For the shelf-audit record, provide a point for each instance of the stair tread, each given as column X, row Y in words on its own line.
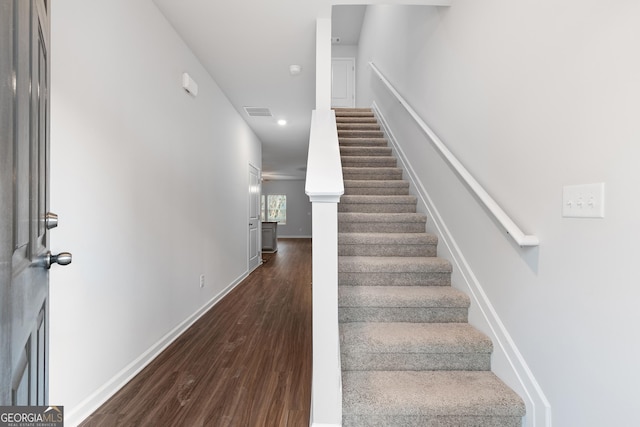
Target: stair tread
column 430, row 393
column 362, row 142
column 387, row 238
column 372, row 264
column 357, row 126
column 373, row 173
column 368, row 161
column 380, row 217
column 400, row 337
column 376, row 183
column 364, row 159
column 355, row 119
column 359, row 198
column 359, row 151
column 355, row 133
column 402, row 296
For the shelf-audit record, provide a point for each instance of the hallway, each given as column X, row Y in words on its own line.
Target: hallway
column 247, row 362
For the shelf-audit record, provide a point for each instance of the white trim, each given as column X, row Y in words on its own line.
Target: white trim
column 324, row 168
column 88, row 406
column 523, row 240
column 259, row 217
column 538, row 407
column 326, row 378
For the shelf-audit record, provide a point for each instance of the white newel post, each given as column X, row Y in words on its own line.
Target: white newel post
column 324, row 186
column 326, row 380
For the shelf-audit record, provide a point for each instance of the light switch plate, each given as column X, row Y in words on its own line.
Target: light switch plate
column 583, row 201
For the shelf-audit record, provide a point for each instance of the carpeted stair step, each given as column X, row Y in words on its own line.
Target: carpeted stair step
column 360, row 134
column 442, row 304
column 362, row 142
column 373, row 187
column 368, row 161
column 358, row 126
column 352, row 222
column 428, row 398
column 387, row 244
column 365, row 151
column 377, row 204
column 382, row 346
column 355, row 119
column 381, row 173
column 353, row 112
column 393, row 271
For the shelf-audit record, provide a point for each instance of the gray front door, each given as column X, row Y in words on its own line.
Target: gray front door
column 24, row 201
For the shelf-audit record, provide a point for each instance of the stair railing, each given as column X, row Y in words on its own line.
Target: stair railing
column 500, row 215
column 324, row 186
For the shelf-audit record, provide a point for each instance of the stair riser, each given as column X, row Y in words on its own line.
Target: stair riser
column 387, row 250
column 365, row 151
column 383, row 187
column 377, row 227
column 368, row 162
column 358, row 126
column 357, row 114
column 372, row 175
column 403, row 314
column 353, row 119
column 376, row 191
column 360, row 134
column 415, row 361
column 362, row 142
column 377, row 207
column 394, row 279
column 361, row 420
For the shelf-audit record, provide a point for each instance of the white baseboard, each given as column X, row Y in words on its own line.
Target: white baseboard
column 538, row 407
column 76, row 415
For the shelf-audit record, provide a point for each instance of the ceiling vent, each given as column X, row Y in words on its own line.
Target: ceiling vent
column 257, row 112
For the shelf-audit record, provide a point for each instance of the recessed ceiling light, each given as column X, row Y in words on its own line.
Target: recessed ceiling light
column 282, row 122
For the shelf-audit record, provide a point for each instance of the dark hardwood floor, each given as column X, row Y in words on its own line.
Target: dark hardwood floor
column 247, row 362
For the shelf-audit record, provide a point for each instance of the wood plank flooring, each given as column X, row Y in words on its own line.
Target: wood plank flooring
column 245, row 363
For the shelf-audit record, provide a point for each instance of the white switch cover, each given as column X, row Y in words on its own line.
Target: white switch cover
column 583, row 201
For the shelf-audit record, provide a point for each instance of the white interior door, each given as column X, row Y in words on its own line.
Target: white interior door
column 254, row 217
column 343, row 82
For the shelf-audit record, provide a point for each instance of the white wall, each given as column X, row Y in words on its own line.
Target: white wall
column 151, row 185
column 531, row 96
column 344, row 51
column 298, row 207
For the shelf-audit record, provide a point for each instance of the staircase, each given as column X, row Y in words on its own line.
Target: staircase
column 409, row 357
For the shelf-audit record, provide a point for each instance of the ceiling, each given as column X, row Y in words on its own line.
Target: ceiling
column 247, row 46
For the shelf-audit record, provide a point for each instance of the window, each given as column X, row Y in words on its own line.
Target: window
column 274, row 208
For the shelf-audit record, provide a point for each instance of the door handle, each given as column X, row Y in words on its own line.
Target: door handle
column 48, row 259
